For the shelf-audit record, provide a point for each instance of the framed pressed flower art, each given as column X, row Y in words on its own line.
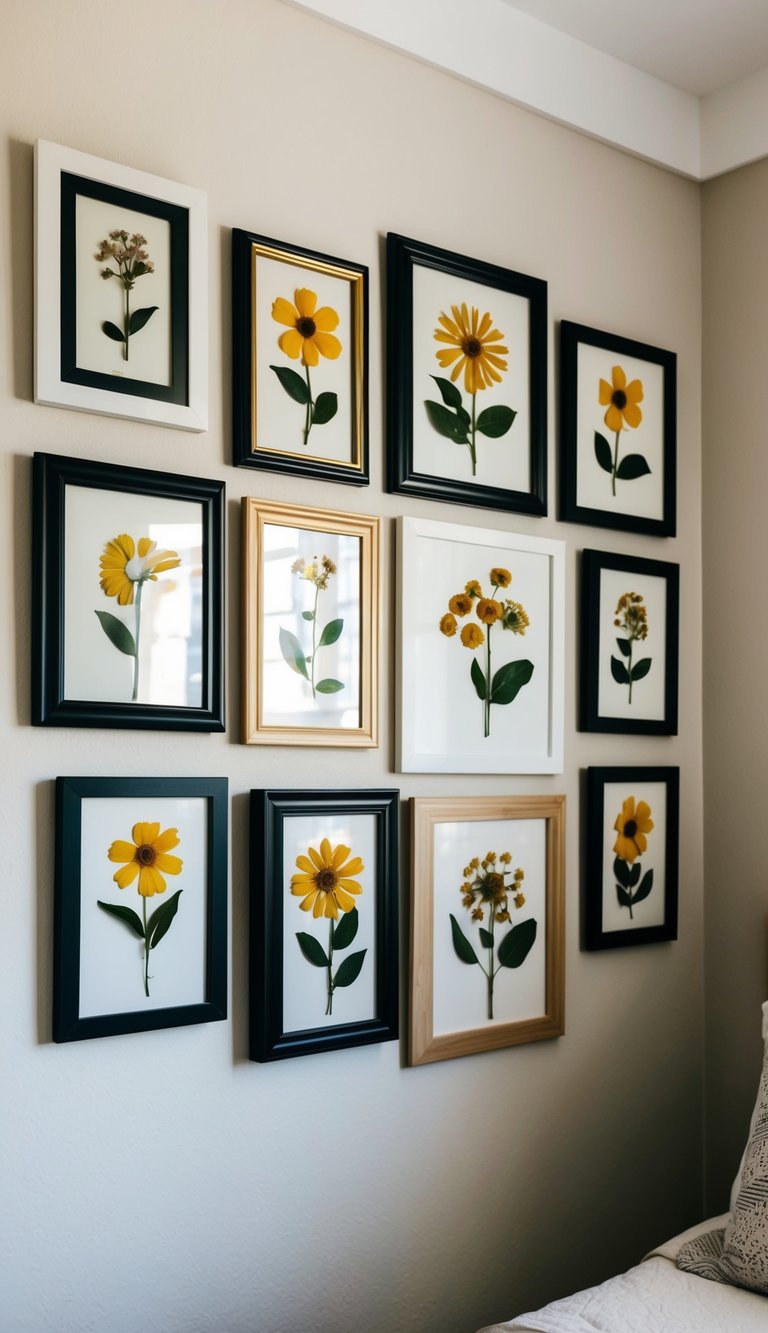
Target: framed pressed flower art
column 487, row 926
column 311, row 588
column 300, row 360
column 128, row 597
column 121, row 291
column 629, row 644
column 630, row 894
column 480, row 650
column 140, row 905
column 467, row 357
column 618, row 432
column 324, row 914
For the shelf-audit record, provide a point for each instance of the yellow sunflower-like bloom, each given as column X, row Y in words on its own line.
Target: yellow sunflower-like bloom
column 622, row 400
column 473, row 345
column 472, row 636
column 515, row 618
column 461, row 604
column 310, row 331
column 500, row 578
column 473, row 588
column 324, row 881
column 123, row 565
column 147, row 856
column 488, row 610
column 632, row 826
column 448, row 625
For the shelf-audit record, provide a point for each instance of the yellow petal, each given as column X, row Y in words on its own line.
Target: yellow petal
column 641, row 841
column 331, row 910
column 340, row 854
column 446, row 355
column 304, row 863
column 143, row 834
column 343, row 899
column 633, row 415
column 353, row 867
column 121, row 851
column 308, row 901
column 326, row 319
column 126, row 875
column 605, row 393
column 351, row 885
column 305, row 302
column 170, row 864
column 634, row 391
column 302, row 884
column 284, row 313
column 619, row 378
column 150, row 881
column 291, row 342
column 326, row 851
column 125, row 542
column 613, row 419
column 145, row 546
column 319, row 903
column 165, row 841
column 309, row 353
column 327, row 344
column 316, row 857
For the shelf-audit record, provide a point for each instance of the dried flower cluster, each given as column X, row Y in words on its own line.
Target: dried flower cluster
column 485, row 885
column 632, row 616
column 132, row 259
column 316, row 571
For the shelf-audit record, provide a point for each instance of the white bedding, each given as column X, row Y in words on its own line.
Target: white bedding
column 654, row 1297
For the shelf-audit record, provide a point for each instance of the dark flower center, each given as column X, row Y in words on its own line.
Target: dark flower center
column 306, row 326
column 619, row 399
column 630, row 828
column 145, row 855
column 472, row 347
column 326, row 879
column 493, row 886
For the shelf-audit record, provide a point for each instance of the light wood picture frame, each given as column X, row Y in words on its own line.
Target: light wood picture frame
column 500, row 912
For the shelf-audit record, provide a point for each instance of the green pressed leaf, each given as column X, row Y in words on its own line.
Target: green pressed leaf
column 331, row 633
column 112, row 331
column 291, row 650
column 603, row 452
column 346, row 930
column 294, row 385
column 625, row 647
column 509, row 680
column 307, row 615
column 141, row 317
column 446, row 423
column 138, row 269
column 646, row 884
column 641, row 668
column 634, row 875
column 517, row 944
column 461, row 944
column 495, row 421
column 350, row 969
column 125, row 914
column 619, row 672
column 450, row 395
column 326, row 407
column 329, row 686
column 117, row 633
column 478, row 679
column 625, row 899
column 312, row 949
column 622, row 872
column 160, row 920
column 486, row 938
column 631, row 467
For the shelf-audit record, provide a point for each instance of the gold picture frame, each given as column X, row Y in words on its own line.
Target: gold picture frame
column 311, row 625
column 522, row 886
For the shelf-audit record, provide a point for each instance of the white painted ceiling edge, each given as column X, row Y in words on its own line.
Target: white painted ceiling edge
column 546, row 71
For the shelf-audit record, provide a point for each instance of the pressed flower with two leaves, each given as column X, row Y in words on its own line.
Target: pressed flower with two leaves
column 326, row 885
column 631, row 616
column 504, row 685
column 125, row 566
column 133, row 262
column 473, row 348
column 147, row 860
column 621, row 401
column 633, row 824
column 491, row 886
column 309, row 335
column 318, row 572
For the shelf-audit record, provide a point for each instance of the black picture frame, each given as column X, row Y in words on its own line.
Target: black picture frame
column 250, row 449
column 70, row 1023
column 52, row 476
column 598, row 627
column 600, row 931
column 403, row 477
column 271, row 811
column 579, row 448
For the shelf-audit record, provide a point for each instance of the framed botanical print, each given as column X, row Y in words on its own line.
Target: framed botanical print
column 618, row 432
column 140, row 905
column 128, row 579
column 324, row 921
column 467, row 368
column 300, row 360
column 629, row 644
column 311, row 588
column 121, row 291
column 487, row 926
column 632, row 830
column 480, row 650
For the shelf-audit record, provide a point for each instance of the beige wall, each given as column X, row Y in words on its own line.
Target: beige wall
column 735, row 648
column 161, row 1181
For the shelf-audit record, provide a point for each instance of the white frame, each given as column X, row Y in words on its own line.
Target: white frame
column 411, row 611
column 51, row 160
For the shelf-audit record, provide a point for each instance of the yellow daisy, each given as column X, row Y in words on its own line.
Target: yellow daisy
column 460, row 604
column 448, row 625
column 632, row 825
column 472, row 636
column 123, row 565
column 621, row 399
column 500, row 577
column 473, row 345
column 310, row 331
column 488, row 610
column 324, row 882
column 146, row 857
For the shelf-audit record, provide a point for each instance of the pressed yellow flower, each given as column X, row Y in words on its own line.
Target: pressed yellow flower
column 473, row 346
column 632, row 616
column 310, row 331
column 622, row 400
column 490, row 856
column 477, row 915
column 506, row 858
column 515, row 618
column 461, row 604
column 448, row 625
column 147, row 856
column 519, row 900
column 325, row 882
column 123, row 566
column 632, row 826
column 500, row 578
column 473, row 588
column 472, row 636
column 488, row 610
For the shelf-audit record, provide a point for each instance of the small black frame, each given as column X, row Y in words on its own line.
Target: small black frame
column 269, row 895
column 403, row 255
column 52, row 475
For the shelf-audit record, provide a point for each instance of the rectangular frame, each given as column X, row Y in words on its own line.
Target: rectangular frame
column 585, row 450
column 274, row 454
column 419, row 697
column 270, row 813
column 68, row 962
column 52, row 476
column 598, row 893
column 427, row 813
column 405, row 474
column 594, row 565
column 257, row 515
column 62, row 176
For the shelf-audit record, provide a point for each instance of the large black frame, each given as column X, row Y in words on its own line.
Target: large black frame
column 403, row 255
column 590, row 718
column 269, row 811
column 52, row 474
column 70, row 794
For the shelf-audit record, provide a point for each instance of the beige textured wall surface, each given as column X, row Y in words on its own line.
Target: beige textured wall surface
column 162, row 1182
column 735, row 648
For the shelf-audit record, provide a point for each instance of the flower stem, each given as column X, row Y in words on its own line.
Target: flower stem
column 314, row 637
column 487, row 700
column 615, row 462
column 329, row 1006
column 308, row 415
column 629, row 670
column 472, row 447
column 135, row 695
column 127, row 324
column 146, row 948
column 491, row 973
